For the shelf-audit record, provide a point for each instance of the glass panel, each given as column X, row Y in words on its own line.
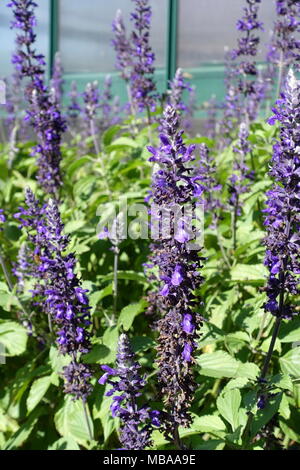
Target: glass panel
column 7, row 43
column 207, row 26
column 86, row 33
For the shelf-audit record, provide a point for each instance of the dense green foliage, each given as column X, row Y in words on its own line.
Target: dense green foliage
column 35, row 414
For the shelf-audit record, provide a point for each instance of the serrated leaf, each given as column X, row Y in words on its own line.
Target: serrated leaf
column 109, row 134
column 77, row 164
column 37, row 390
column 290, row 332
column 218, row 364
column 129, row 313
column 13, row 337
column 263, row 416
column 74, row 226
column 290, row 362
column 100, row 354
column 57, row 360
column 64, row 444
column 122, row 143
column 208, row 423
column 25, row 430
column 228, row 405
column 104, row 414
column 256, row 273
column 248, row 370
column 97, row 296
column 70, row 421
column 283, row 381
column 128, row 275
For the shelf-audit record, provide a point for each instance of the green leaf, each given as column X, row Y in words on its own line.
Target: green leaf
column 96, row 296
column 283, row 381
column 201, row 140
column 77, row 164
column 211, row 444
column 129, row 313
column 228, row 405
column 64, row 444
column 70, row 421
column 262, row 417
column 99, row 354
column 284, row 408
column 37, row 391
column 57, row 360
column 253, row 273
column 84, row 186
column 25, row 430
column 13, row 337
column 220, row 364
column 104, row 414
column 109, row 134
column 208, row 423
column 290, row 362
column 142, row 343
column 128, row 275
column 217, row 364
column 290, row 332
column 122, row 143
column 248, row 370
column 74, row 226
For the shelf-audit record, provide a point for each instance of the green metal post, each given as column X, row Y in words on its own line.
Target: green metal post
column 54, row 31
column 172, row 38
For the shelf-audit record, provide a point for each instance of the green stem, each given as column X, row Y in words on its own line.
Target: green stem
column 177, row 441
column 87, row 420
column 115, row 287
column 226, row 260
column 10, row 284
column 234, row 224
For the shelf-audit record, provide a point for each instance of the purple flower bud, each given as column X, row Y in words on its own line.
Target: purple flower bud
column 187, row 324
column 187, row 352
column 136, row 423
column 177, row 278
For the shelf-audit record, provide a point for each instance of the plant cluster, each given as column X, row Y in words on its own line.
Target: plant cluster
column 177, row 329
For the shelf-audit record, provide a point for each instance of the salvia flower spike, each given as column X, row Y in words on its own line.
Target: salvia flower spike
column 178, row 274
column 282, row 211
column 43, row 112
column 58, row 290
column 126, row 387
column 143, row 88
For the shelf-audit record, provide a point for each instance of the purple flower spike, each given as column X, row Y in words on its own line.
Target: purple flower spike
column 143, row 88
column 244, row 92
column 284, row 48
column 122, row 47
column 57, row 291
column 136, row 423
column 43, row 113
column 174, row 184
column 175, row 97
column 283, row 206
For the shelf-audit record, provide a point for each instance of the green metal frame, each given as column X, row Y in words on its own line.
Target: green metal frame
column 208, row 78
column 171, row 40
column 54, row 32
column 171, row 66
